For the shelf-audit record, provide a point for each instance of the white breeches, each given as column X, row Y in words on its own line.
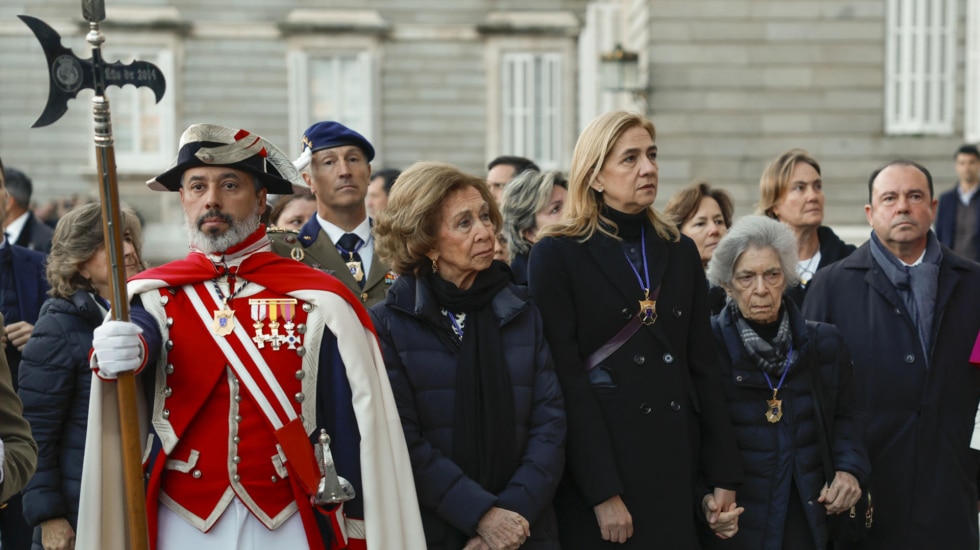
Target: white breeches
column 237, row 529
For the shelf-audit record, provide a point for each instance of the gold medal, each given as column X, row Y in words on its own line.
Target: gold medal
column 774, row 409
column 774, row 413
column 648, row 309
column 355, row 270
column 224, row 321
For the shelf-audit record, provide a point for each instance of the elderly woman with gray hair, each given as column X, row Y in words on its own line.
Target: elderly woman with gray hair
column 788, row 387
column 531, row 201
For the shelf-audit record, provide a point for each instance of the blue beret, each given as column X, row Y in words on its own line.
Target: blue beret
column 329, row 134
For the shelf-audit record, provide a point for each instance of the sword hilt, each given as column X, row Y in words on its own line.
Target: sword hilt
column 333, row 489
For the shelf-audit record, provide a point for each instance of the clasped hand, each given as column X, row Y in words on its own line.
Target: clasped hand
column 500, row 529
column 721, row 512
column 842, row 493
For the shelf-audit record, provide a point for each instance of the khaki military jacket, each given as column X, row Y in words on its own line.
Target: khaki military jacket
column 312, row 246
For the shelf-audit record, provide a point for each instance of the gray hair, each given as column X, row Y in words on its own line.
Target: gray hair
column 754, row 232
column 524, row 196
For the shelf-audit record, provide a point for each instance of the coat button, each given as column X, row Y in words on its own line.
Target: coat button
column 275, row 479
column 626, row 313
column 639, row 359
column 299, row 397
column 170, row 322
column 738, row 378
column 668, row 358
column 898, row 311
column 166, row 414
column 238, row 418
column 236, row 440
column 236, row 459
column 236, row 478
column 677, row 312
column 300, row 350
column 169, row 345
column 675, row 406
column 196, row 474
column 307, row 307
column 300, row 375
column 169, row 369
column 168, row 391
column 646, row 409
column 910, row 358
column 164, row 299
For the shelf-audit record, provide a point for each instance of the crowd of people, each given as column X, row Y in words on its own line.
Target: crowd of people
column 521, row 359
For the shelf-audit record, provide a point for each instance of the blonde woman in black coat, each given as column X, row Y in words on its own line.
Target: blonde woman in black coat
column 648, row 422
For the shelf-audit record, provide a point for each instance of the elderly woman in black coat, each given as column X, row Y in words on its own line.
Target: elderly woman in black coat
column 647, row 416
column 54, row 372
column 468, row 363
column 770, row 360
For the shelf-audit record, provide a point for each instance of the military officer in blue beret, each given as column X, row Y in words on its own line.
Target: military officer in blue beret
column 336, row 164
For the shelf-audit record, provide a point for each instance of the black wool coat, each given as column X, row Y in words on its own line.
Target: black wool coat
column 918, row 414
column 832, row 249
column 651, row 416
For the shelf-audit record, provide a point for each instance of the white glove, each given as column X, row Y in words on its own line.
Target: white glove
column 117, row 347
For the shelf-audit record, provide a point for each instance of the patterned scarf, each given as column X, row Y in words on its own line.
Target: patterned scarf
column 770, row 357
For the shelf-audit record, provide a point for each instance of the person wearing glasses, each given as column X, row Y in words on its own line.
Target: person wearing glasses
column 770, row 357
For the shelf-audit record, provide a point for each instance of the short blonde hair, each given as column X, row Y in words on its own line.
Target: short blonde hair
column 776, row 177
column 409, row 227
column 582, row 216
column 77, row 237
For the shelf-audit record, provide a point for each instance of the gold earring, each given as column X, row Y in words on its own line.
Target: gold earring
column 435, row 266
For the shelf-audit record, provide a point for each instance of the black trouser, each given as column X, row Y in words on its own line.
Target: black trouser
column 15, row 534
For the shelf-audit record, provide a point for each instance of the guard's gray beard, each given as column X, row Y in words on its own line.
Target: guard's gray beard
column 238, row 231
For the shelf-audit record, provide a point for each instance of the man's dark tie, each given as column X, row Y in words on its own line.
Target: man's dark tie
column 349, row 244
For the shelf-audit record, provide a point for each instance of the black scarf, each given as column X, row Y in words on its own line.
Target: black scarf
column 484, row 444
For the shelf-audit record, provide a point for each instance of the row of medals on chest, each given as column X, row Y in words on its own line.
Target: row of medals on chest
column 269, row 315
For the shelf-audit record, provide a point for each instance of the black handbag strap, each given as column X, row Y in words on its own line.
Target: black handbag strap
column 816, row 388
column 614, row 343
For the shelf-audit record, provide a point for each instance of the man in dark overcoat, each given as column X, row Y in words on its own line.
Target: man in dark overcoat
column 907, row 308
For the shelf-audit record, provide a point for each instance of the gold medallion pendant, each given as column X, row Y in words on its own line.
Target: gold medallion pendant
column 224, row 322
column 774, row 410
column 355, row 270
column 648, row 309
